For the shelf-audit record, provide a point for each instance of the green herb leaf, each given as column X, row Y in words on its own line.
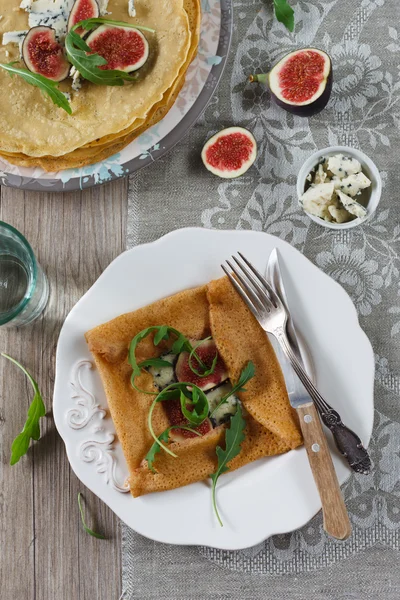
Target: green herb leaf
column 158, row 363
column 284, row 13
column 206, row 371
column 163, row 437
column 173, row 391
column 47, row 86
column 247, row 374
column 234, row 436
column 198, row 402
column 31, row 428
column 93, row 22
column 85, row 527
column 162, row 332
column 88, row 64
column 155, row 449
column 180, row 344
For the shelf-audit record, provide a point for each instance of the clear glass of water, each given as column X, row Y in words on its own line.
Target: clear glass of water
column 24, row 289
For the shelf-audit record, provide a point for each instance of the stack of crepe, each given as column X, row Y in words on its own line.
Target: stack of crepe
column 214, row 309
column 35, row 132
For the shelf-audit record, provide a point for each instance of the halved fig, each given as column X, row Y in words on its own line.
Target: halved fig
column 301, row 82
column 43, row 54
column 124, row 48
column 206, row 352
column 230, row 152
column 81, row 10
column 175, row 417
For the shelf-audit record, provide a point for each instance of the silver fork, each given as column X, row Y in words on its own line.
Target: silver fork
column 269, row 311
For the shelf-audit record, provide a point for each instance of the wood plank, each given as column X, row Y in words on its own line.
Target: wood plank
column 75, row 236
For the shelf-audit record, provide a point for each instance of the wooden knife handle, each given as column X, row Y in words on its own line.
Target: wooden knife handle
column 336, row 518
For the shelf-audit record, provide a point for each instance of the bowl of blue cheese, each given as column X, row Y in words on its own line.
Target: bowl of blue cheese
column 339, row 187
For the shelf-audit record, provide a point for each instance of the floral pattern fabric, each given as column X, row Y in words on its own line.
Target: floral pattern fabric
column 363, row 39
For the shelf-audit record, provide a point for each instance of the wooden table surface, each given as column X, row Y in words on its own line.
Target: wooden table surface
column 44, row 552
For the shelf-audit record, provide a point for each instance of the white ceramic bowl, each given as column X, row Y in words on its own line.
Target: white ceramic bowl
column 368, row 167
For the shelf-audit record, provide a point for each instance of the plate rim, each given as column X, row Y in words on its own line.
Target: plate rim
column 199, row 230
column 174, row 137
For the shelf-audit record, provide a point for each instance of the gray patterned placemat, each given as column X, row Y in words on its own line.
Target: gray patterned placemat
column 363, row 39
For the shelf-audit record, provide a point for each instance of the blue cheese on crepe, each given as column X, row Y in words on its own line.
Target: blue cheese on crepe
column 131, row 8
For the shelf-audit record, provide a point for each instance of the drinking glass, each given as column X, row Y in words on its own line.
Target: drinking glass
column 24, row 289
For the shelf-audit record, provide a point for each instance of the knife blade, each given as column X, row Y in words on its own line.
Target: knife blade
column 347, row 442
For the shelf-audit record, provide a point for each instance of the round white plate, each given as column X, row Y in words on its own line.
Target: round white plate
column 272, row 495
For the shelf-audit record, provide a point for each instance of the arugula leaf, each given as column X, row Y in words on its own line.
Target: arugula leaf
column 247, row 374
column 94, row 21
column 158, row 363
column 162, row 333
column 85, row 527
column 199, row 404
column 31, row 428
column 164, row 436
column 207, row 371
column 88, row 64
column 197, row 397
column 47, row 86
column 284, row 13
column 234, row 436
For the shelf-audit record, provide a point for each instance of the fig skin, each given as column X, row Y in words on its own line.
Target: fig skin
column 93, row 13
column 105, row 31
column 176, row 417
column 301, row 110
column 243, row 164
column 41, row 31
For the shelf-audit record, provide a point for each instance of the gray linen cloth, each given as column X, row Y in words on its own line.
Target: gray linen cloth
column 363, row 39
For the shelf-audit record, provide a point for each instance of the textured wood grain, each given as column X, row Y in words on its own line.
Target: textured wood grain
column 336, row 519
column 45, row 554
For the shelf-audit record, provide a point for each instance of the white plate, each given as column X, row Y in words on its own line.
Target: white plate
column 272, row 495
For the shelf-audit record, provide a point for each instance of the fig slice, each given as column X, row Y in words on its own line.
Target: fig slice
column 230, row 152
column 43, row 54
column 175, row 417
column 81, row 10
column 301, row 82
column 206, row 352
column 124, row 48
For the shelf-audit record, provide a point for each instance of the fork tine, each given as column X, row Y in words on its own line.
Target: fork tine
column 273, row 296
column 241, row 292
column 261, row 292
column 247, row 288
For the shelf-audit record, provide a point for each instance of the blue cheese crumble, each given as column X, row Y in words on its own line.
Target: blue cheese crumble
column 333, row 185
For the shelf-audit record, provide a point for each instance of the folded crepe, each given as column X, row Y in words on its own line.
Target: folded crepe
column 214, row 309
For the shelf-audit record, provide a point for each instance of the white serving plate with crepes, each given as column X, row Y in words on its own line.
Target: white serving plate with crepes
column 201, row 82
column 269, row 496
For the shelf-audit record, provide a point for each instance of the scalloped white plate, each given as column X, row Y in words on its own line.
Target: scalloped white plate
column 272, row 495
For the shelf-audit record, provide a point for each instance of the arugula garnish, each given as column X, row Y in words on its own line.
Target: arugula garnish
column 198, row 403
column 197, row 400
column 284, row 13
column 85, row 527
column 47, row 86
column 163, row 437
column 88, row 62
column 234, row 436
column 180, row 344
column 247, row 374
column 31, row 428
column 206, row 371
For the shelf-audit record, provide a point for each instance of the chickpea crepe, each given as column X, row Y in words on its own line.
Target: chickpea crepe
column 211, row 310
column 105, row 119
